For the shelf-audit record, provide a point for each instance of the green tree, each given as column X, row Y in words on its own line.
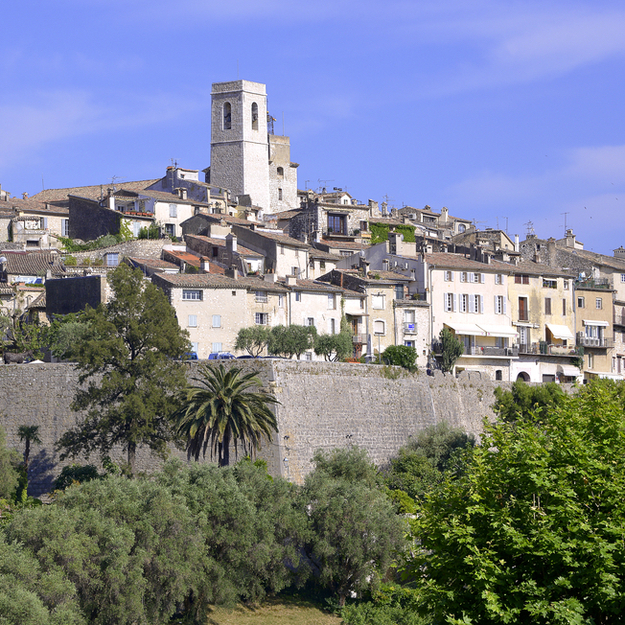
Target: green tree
column 130, row 364
column 401, row 356
column 223, row 409
column 66, row 333
column 250, row 524
column 334, row 347
column 354, row 529
column 535, row 530
column 291, row 341
column 253, row 340
column 434, row 454
column 30, row 596
column 523, row 401
column 130, row 547
column 451, row 349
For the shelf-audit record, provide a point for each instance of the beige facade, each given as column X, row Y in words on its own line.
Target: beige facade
column 594, row 328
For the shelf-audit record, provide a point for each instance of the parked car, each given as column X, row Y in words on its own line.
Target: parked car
column 190, row 356
column 220, row 356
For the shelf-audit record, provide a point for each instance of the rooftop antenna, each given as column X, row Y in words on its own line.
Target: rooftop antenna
column 565, row 214
column 323, row 183
column 114, row 180
column 530, row 229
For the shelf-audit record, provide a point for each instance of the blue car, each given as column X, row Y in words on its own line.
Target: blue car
column 220, row 356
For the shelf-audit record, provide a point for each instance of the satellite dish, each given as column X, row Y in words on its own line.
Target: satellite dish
column 3, row 259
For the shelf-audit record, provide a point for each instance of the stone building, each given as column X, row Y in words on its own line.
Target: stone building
column 246, row 156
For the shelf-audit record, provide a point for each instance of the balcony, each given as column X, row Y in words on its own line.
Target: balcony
column 486, row 351
column 410, row 328
column 545, row 349
column 359, row 339
column 593, row 341
column 261, row 299
column 593, row 283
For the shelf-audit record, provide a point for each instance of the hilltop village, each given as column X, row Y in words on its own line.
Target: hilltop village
column 239, row 244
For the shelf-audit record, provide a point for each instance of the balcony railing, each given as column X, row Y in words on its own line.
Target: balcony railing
column 593, row 283
column 359, row 339
column 261, row 299
column 593, row 341
column 486, row 350
column 546, row 349
column 410, row 328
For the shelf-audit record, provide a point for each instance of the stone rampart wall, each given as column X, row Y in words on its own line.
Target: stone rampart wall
column 322, row 405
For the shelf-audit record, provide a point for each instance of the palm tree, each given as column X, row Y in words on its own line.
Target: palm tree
column 223, row 409
column 30, row 434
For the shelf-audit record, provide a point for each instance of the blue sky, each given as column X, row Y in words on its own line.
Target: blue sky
column 505, row 113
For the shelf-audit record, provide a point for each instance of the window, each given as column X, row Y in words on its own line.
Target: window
column 192, row 321
column 281, row 249
column 112, row 259
column 580, row 302
column 498, row 278
column 261, row 296
column 294, row 271
column 332, row 326
column 623, row 277
column 377, row 301
column 331, row 302
column 215, row 251
column 461, row 227
column 463, row 276
column 280, row 301
column 399, row 291
column 322, row 264
column 217, row 347
column 65, row 227
column 310, row 321
column 477, row 277
column 599, row 303
column 464, row 303
column 547, row 305
column 280, row 172
column 195, row 294
column 216, row 321
column 254, row 116
column 450, row 302
column 227, row 116
column 409, row 316
column 449, row 276
column 173, row 211
column 337, row 224
column 410, row 344
column 261, row 319
column 298, row 296
column 550, row 284
column 279, row 193
column 564, row 307
column 378, row 326
column 566, row 285
column 521, row 279
column 500, row 305
column 195, row 347
column 498, row 374
column 523, row 309
column 591, row 360
column 476, row 303
column 170, row 229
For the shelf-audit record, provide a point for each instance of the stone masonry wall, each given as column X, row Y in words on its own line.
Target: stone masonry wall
column 322, row 405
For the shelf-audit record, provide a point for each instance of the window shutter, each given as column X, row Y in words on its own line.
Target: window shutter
column 496, row 304
column 503, row 297
column 454, row 303
column 482, row 278
column 481, row 300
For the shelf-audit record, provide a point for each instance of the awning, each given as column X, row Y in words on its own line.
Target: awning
column 569, row 371
column 594, row 322
column 470, row 329
column 503, row 331
column 560, row 332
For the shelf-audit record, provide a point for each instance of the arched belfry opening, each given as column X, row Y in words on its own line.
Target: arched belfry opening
column 254, row 116
column 227, row 116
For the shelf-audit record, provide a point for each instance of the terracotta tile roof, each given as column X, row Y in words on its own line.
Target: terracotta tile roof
column 187, row 257
column 529, row 267
column 601, row 259
column 289, row 214
column 346, row 245
column 313, row 285
column 282, row 238
column 164, row 196
column 459, row 261
column 216, row 281
column 33, row 263
column 31, row 205
column 321, row 255
column 157, row 263
column 377, row 277
column 92, row 192
column 241, row 249
column 40, row 302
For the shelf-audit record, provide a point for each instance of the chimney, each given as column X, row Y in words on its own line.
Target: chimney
column 291, row 281
column 25, row 195
column 385, row 264
column 551, row 252
column 270, row 277
column 204, row 264
column 570, row 238
column 232, row 272
column 444, row 214
column 516, row 242
column 373, row 208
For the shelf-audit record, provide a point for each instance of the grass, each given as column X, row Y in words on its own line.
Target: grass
column 278, row 611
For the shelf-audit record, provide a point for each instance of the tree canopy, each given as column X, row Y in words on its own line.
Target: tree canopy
column 400, row 356
column 130, row 363
column 523, row 401
column 451, row 349
column 253, row 340
column 534, row 532
column 223, row 409
column 291, row 341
